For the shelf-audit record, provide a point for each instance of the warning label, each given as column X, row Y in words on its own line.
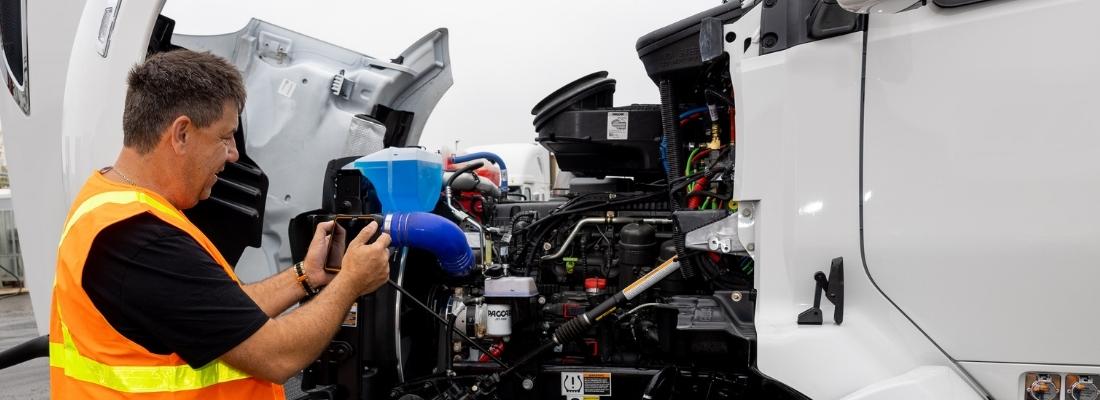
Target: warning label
column 286, row 88
column 352, row 319
column 585, row 385
column 618, row 125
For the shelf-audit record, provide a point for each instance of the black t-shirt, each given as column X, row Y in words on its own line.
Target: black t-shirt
column 157, row 287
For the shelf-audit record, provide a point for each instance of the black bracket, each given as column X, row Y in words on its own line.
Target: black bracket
column 833, row 286
column 321, row 393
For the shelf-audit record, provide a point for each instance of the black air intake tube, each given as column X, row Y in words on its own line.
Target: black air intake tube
column 29, row 350
column 675, row 170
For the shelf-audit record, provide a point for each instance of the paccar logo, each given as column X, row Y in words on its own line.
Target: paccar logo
column 619, row 123
column 500, row 313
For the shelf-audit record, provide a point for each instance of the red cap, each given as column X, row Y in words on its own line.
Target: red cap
column 595, row 284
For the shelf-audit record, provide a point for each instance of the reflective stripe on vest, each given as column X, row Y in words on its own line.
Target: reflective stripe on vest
column 137, row 379
column 118, row 197
column 131, row 379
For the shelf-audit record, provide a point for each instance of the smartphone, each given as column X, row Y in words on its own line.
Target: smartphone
column 346, row 227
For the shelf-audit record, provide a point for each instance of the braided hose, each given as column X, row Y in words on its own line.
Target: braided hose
column 675, row 170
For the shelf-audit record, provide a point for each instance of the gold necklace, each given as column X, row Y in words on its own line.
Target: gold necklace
column 130, row 182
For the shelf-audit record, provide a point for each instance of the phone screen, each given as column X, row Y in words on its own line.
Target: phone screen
column 345, row 228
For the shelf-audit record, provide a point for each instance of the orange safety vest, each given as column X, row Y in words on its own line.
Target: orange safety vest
column 89, row 359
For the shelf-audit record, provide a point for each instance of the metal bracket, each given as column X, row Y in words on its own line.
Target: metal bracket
column 833, row 286
column 341, row 86
column 726, row 311
column 720, row 237
column 275, row 47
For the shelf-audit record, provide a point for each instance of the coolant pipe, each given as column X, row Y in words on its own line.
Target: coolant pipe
column 495, row 159
column 596, row 220
column 435, row 234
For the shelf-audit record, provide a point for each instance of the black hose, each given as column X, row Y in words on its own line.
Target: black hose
column 29, row 350
column 463, row 170
column 718, row 95
column 709, row 194
column 660, row 386
column 672, row 141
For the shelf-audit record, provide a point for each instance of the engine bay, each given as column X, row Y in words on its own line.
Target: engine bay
column 623, row 285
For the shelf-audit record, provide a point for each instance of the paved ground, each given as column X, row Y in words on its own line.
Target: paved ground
column 29, row 380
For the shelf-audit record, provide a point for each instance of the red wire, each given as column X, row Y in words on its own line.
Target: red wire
column 690, row 118
column 699, row 155
column 733, row 126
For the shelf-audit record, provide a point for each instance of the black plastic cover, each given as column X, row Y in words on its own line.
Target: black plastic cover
column 233, row 216
column 589, row 92
column 788, row 23
column 618, row 141
column 675, row 48
column 161, row 39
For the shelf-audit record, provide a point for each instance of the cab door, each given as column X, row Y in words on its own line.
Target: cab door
column 980, row 175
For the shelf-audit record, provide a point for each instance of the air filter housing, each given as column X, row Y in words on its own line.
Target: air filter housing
column 591, row 138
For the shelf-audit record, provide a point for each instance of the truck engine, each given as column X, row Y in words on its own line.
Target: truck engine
column 571, row 297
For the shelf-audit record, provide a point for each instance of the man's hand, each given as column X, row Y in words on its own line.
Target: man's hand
column 317, row 255
column 367, row 265
column 289, row 342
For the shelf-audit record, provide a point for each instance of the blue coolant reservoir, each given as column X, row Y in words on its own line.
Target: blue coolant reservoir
column 406, row 179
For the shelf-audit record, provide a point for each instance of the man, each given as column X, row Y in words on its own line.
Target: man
column 144, row 306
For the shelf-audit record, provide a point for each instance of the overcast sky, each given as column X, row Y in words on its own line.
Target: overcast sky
column 506, row 55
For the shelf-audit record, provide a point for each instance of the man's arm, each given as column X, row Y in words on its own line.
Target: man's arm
column 286, row 344
column 278, row 292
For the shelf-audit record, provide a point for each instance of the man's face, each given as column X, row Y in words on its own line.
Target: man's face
column 214, row 147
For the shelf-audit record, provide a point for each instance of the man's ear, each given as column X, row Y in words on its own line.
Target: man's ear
column 180, row 132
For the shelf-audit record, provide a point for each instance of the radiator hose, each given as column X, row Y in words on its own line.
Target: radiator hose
column 495, row 159
column 435, row 234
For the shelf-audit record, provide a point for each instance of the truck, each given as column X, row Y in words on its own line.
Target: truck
column 828, row 202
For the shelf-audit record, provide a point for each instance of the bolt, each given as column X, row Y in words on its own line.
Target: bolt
column 730, row 37
column 746, row 212
column 473, row 388
column 750, row 247
column 735, row 296
column 770, row 40
column 547, row 246
column 528, row 384
column 542, row 300
column 457, row 347
column 713, row 244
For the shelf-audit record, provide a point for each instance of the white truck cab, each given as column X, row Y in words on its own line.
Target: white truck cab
column 944, row 151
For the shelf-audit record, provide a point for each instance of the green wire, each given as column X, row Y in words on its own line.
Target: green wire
column 687, row 168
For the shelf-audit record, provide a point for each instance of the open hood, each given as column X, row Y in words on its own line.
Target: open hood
column 309, row 102
column 292, row 125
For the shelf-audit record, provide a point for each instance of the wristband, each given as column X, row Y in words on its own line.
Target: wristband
column 304, row 280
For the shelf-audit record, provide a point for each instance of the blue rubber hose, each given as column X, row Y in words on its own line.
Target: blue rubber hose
column 495, row 159
column 434, row 234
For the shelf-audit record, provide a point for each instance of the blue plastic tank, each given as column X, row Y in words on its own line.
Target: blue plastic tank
column 406, row 179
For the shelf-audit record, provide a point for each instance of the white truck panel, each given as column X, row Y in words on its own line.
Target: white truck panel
column 981, row 174
column 798, row 156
